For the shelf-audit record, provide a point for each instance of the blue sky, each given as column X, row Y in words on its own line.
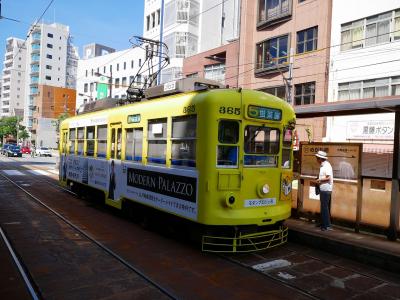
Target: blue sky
column 110, row 23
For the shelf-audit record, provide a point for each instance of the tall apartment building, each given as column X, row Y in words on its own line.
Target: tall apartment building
column 13, row 83
column 51, row 63
column 364, row 64
column 114, row 72
column 189, row 27
column 287, row 35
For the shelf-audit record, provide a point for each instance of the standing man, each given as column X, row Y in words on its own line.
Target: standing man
column 325, row 182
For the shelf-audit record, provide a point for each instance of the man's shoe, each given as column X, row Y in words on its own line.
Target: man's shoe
column 329, row 228
column 323, row 229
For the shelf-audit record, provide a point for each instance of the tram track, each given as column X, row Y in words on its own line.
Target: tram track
column 41, row 179
column 120, row 259
column 303, row 291
column 29, row 283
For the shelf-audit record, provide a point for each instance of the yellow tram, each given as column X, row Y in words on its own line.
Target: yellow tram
column 220, row 158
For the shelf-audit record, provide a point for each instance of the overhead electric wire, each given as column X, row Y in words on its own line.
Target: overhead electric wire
column 31, row 30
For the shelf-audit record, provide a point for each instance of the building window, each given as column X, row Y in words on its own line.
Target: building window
column 110, row 68
column 272, row 52
column 270, row 11
column 140, row 62
column 153, row 20
column 181, row 44
column 50, row 35
column 50, row 46
column 49, row 56
column 117, row 67
column 371, row 88
column 91, row 87
column 215, row 72
column 85, row 88
column 304, row 93
column 116, row 83
column 132, row 64
column 123, row 83
column 396, row 31
column 124, row 65
column 86, row 73
column 307, row 40
column 278, row 91
column 158, row 17
column 148, row 23
column 371, row 31
column 48, row 67
column 48, row 77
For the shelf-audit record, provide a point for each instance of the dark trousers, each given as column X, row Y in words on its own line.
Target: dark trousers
column 325, row 199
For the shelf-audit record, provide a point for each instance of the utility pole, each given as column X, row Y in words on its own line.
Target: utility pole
column 289, row 95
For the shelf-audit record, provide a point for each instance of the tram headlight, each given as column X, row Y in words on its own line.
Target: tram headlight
column 265, row 189
column 230, row 200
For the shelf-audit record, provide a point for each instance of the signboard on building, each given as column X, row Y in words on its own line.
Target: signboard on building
column 102, row 88
column 370, row 130
column 345, row 159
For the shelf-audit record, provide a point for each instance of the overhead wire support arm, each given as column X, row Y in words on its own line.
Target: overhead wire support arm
column 153, row 50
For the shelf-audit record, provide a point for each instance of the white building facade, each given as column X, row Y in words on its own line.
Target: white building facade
column 51, row 60
column 188, row 27
column 13, row 83
column 116, row 69
column 364, row 64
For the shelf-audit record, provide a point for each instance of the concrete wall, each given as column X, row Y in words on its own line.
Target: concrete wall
column 196, row 63
column 371, row 62
column 308, row 67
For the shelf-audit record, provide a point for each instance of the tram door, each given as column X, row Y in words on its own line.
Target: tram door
column 63, row 156
column 116, row 141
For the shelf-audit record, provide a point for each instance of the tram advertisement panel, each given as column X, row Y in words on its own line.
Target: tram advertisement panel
column 344, row 158
column 99, row 173
column 77, row 168
column 173, row 190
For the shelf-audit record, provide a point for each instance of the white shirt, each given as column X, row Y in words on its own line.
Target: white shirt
column 324, row 171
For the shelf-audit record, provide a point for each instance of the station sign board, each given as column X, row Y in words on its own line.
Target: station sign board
column 345, row 159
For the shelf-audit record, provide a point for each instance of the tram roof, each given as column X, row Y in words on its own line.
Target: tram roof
column 348, row 108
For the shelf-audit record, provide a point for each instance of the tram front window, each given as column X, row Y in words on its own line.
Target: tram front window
column 261, row 146
column 228, row 137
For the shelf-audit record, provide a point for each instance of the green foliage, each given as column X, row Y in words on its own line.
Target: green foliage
column 60, row 118
column 8, row 127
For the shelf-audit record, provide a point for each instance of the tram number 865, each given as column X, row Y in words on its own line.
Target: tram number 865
column 229, row 110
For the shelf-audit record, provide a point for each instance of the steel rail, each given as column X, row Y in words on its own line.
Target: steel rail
column 281, row 281
column 21, row 269
column 100, row 245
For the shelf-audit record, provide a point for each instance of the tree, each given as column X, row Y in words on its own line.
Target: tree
column 8, row 126
column 60, row 118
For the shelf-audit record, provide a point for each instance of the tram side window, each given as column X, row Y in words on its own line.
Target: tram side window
column 81, row 140
column 134, row 144
column 184, row 141
column 287, row 148
column 157, row 141
column 261, row 146
column 227, row 150
column 101, row 141
column 72, row 133
column 90, row 141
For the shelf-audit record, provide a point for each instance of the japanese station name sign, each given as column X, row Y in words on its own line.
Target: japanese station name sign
column 370, row 130
column 344, row 158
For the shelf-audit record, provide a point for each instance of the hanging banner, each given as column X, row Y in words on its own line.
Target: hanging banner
column 102, row 88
